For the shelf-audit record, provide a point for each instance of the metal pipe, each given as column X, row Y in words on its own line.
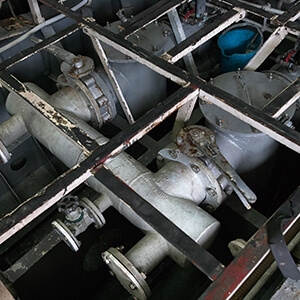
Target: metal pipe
column 45, row 132
column 148, row 252
column 68, row 99
column 267, row 7
column 194, row 221
column 12, row 129
column 103, row 202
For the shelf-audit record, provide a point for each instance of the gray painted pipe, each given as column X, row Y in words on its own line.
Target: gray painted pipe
column 194, row 221
column 12, row 129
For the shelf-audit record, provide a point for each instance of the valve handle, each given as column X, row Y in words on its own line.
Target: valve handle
column 202, row 140
column 68, row 203
column 57, row 51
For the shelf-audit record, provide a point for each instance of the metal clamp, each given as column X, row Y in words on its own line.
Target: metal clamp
column 199, row 141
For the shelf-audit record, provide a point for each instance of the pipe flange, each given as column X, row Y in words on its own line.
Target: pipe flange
column 79, row 86
column 102, row 107
column 105, row 99
column 214, row 194
column 96, row 213
column 131, row 279
column 66, row 234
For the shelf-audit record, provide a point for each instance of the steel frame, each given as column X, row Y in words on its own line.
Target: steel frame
column 242, row 273
column 191, row 87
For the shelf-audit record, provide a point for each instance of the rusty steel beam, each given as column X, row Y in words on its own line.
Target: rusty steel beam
column 53, row 115
column 64, row 184
column 112, row 78
column 5, row 293
column 148, row 16
column 246, row 269
column 208, row 92
column 201, row 258
column 229, row 4
column 203, row 35
column 291, row 27
column 35, row 11
column 66, row 126
column 24, row 54
column 275, row 38
column 284, row 100
column 291, row 15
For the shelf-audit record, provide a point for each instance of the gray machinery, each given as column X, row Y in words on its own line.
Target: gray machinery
column 196, row 191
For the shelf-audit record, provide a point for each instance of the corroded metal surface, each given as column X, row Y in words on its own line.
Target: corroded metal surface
column 228, row 284
column 202, row 259
column 253, row 260
column 53, row 115
column 68, row 181
column 208, row 93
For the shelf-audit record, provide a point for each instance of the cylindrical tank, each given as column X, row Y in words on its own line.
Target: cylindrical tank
column 243, row 146
column 142, row 87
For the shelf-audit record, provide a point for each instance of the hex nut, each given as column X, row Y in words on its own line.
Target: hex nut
column 195, row 168
column 132, row 286
column 174, row 154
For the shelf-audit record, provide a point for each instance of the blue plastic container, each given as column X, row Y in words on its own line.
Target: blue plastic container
column 238, row 45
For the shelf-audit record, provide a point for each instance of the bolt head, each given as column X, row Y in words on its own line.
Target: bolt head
column 105, row 259
column 195, row 168
column 120, row 248
column 78, row 62
column 228, row 190
column 211, row 192
column 159, row 157
column 174, row 154
column 166, row 33
column 220, row 122
column 179, row 140
column 132, row 286
column 209, row 208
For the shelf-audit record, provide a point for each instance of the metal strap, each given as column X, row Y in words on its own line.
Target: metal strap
column 276, row 240
column 202, row 259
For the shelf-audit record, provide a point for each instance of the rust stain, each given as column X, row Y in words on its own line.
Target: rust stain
column 59, row 119
column 239, row 268
column 41, row 105
column 11, row 24
column 234, row 275
column 267, row 96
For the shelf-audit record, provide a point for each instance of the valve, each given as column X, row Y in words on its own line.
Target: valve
column 79, row 215
column 199, row 141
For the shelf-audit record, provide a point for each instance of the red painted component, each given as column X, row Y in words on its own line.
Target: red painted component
column 289, row 56
column 240, row 268
column 188, row 14
column 251, row 257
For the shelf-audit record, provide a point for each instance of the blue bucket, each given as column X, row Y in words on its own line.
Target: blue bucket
column 238, row 44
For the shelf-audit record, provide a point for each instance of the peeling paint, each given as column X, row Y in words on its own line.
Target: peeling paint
column 18, row 266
